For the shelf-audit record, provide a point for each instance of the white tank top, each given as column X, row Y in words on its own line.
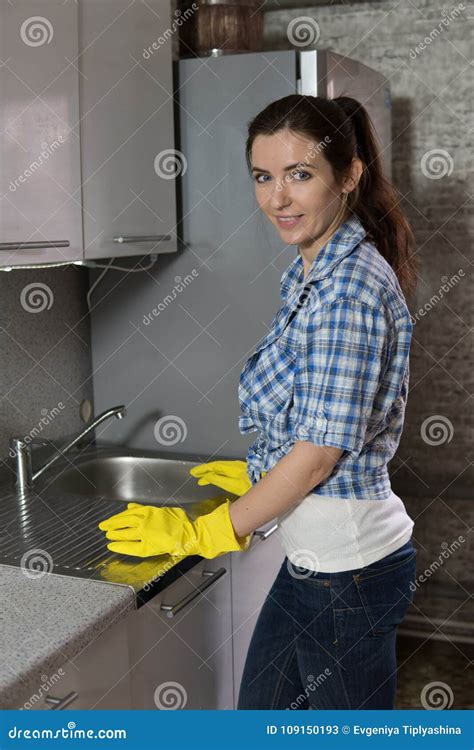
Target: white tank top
column 331, row 534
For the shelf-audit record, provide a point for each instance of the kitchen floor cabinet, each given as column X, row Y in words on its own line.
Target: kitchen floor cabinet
column 253, row 573
column 97, row 678
column 184, row 649
column 185, row 661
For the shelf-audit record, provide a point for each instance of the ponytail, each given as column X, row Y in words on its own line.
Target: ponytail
column 375, row 200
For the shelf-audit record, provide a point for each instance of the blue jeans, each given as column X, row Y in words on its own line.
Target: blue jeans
column 327, row 640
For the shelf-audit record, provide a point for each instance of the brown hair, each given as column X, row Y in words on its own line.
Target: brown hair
column 345, row 127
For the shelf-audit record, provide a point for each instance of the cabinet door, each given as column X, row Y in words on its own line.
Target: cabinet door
column 253, row 573
column 40, row 201
column 185, row 661
column 126, row 128
column 97, row 678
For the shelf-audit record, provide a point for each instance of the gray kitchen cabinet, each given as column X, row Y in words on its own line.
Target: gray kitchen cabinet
column 97, row 678
column 253, row 573
column 185, row 661
column 40, row 201
column 86, row 131
column 127, row 136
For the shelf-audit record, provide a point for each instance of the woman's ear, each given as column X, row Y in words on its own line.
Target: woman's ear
column 355, row 172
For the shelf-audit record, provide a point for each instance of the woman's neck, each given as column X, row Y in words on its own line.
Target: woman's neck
column 308, row 254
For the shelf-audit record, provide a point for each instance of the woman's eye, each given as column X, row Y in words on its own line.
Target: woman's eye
column 256, row 177
column 303, row 173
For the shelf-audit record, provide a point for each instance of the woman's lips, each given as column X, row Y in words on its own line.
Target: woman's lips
column 288, row 223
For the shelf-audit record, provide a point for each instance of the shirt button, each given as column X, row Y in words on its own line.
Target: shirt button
column 319, row 422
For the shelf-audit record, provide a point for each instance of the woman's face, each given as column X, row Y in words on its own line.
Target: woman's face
column 293, row 179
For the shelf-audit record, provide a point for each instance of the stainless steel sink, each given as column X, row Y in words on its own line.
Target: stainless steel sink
column 128, row 478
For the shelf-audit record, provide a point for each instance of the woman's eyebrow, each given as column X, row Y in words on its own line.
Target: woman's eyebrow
column 299, row 164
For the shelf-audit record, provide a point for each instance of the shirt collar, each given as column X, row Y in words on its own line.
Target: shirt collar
column 342, row 243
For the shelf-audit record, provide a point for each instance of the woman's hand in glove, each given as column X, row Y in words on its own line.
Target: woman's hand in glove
column 231, row 476
column 145, row 530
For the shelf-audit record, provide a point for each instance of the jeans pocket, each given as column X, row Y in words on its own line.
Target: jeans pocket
column 387, row 594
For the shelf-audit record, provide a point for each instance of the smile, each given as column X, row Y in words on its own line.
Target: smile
column 289, row 221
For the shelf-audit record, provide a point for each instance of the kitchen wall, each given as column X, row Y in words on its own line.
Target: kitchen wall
column 45, row 367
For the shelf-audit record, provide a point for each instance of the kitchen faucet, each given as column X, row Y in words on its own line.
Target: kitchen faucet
column 22, row 449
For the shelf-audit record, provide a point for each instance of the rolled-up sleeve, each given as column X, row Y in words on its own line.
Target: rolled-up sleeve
column 339, row 371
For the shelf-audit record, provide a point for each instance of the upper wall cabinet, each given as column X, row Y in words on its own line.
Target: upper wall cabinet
column 40, row 188
column 86, row 130
column 127, row 137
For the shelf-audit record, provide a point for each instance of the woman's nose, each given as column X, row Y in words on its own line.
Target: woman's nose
column 280, row 197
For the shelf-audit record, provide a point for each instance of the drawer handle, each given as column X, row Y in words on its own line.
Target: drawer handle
column 61, row 703
column 171, row 609
column 33, row 245
column 265, row 534
column 144, row 238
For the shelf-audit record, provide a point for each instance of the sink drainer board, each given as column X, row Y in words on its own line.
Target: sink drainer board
column 59, row 535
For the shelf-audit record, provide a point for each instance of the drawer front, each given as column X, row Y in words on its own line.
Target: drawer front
column 181, row 645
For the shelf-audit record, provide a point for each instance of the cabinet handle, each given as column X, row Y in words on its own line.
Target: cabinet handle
column 172, row 609
column 265, row 534
column 33, row 245
column 144, row 238
column 60, row 703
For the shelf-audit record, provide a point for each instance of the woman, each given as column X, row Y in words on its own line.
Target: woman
column 326, row 389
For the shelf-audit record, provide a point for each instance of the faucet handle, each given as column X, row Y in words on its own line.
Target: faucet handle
column 41, row 441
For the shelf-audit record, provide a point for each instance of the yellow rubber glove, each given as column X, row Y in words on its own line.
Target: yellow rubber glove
column 145, row 530
column 231, row 476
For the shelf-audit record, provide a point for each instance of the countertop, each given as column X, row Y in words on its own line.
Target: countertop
column 47, row 620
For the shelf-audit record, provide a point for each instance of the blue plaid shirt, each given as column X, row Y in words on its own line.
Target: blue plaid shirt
column 334, row 368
